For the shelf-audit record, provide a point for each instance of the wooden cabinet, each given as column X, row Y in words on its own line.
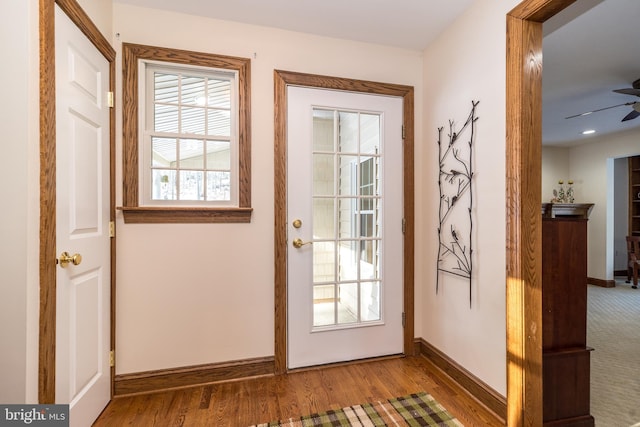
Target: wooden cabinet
column 634, row 196
column 565, row 355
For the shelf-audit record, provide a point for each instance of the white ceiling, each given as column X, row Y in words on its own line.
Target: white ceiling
column 410, row 24
column 590, row 48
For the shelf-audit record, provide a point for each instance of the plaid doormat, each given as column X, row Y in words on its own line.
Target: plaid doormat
column 414, row 410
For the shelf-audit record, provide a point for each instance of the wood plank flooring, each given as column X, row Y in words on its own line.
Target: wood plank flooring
column 257, row 400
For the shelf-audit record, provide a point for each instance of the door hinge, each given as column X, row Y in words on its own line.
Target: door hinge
column 110, row 99
column 403, row 133
column 404, row 225
column 112, row 229
column 404, row 320
column 112, row 358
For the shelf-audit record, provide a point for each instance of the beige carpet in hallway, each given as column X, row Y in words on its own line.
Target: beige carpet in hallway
column 613, row 330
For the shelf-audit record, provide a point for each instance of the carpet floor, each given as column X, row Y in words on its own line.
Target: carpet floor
column 414, row 410
column 613, row 330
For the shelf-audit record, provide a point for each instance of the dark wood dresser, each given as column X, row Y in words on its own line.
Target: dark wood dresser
column 565, row 355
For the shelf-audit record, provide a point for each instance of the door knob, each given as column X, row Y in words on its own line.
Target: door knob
column 65, row 259
column 298, row 243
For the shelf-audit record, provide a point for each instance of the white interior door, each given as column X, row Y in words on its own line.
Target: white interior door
column 345, row 243
column 82, row 203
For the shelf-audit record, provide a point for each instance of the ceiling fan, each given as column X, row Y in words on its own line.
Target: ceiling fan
column 635, row 105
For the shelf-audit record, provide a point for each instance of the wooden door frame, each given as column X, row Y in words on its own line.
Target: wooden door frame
column 48, row 255
column 523, row 198
column 282, row 79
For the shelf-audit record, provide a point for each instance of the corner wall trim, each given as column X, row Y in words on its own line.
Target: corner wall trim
column 167, row 379
column 601, row 282
column 474, row 386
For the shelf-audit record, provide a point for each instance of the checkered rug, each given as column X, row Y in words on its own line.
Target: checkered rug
column 414, row 410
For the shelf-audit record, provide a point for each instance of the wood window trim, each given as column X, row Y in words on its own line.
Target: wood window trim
column 156, row 214
column 131, row 209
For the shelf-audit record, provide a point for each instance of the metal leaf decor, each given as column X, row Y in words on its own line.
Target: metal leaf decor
column 456, row 200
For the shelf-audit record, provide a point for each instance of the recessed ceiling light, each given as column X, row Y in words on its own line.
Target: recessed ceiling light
column 588, row 131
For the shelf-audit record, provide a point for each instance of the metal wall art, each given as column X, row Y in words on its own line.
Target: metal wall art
column 456, row 200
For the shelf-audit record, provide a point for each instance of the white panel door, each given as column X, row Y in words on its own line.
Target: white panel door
column 345, row 243
column 82, row 202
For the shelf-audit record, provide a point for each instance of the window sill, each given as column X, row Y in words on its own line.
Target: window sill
column 175, row 215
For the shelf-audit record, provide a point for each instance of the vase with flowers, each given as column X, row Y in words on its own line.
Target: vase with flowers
column 562, row 194
column 569, row 193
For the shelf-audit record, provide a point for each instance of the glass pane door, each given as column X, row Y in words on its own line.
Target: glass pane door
column 344, row 215
column 346, row 206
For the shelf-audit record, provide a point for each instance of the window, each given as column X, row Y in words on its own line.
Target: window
column 347, row 204
column 368, row 191
column 189, row 140
column 186, row 136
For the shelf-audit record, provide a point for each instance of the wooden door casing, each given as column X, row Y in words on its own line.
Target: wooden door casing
column 47, row 266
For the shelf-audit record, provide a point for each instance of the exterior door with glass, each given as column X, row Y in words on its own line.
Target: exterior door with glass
column 345, row 242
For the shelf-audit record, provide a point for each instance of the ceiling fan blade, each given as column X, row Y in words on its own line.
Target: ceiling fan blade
column 632, row 115
column 599, row 109
column 629, row 91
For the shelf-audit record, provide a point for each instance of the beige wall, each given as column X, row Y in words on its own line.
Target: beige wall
column 169, row 318
column 183, row 299
column 591, row 166
column 592, row 184
column 15, row 33
column 193, row 294
column 555, row 167
column 100, row 12
column 467, row 63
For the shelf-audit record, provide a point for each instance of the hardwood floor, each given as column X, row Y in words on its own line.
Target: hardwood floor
column 258, row 400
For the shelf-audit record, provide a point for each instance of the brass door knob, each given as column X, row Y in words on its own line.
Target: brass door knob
column 298, row 243
column 65, row 259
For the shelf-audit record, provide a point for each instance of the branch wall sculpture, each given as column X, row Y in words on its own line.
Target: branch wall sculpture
column 456, row 200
